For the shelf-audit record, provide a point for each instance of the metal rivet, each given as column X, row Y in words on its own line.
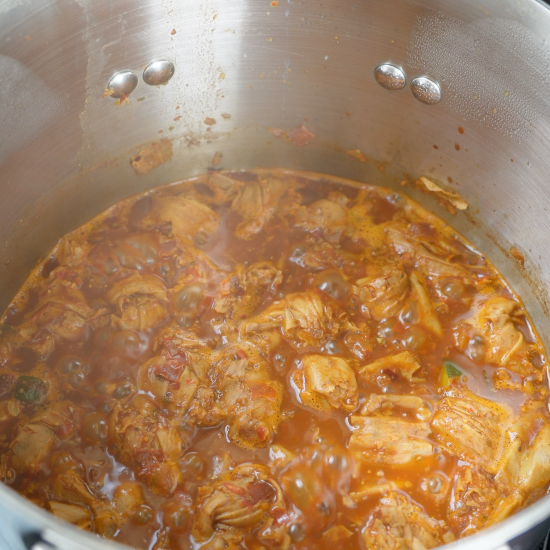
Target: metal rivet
column 158, row 72
column 122, row 83
column 426, row 90
column 390, row 76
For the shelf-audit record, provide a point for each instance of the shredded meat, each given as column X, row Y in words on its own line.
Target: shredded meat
column 242, row 292
column 472, row 427
column 326, row 382
column 397, row 524
column 389, row 440
column 303, row 317
column 241, row 500
column 250, row 398
column 256, row 203
column 383, row 294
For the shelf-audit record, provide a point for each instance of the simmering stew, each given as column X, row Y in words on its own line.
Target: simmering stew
column 272, row 359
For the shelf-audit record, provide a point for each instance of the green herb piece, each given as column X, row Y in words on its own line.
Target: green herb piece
column 30, row 389
column 448, row 372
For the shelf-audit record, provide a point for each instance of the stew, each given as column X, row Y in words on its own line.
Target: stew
column 272, row 359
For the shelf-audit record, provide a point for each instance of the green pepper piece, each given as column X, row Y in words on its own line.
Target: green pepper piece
column 30, row 389
column 448, row 372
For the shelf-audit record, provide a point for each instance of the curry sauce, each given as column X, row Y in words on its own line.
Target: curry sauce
column 272, row 359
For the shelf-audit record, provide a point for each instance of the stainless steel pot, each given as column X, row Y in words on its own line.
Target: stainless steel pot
column 251, row 64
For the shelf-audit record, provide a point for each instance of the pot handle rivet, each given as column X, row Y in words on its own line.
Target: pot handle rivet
column 426, row 90
column 390, row 77
column 158, row 72
column 122, row 84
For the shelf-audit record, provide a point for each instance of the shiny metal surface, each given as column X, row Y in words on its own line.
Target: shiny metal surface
column 426, row 90
column 121, row 84
column 390, row 76
column 248, row 66
column 158, row 72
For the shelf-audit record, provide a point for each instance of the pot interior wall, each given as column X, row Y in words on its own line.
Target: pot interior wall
column 249, row 65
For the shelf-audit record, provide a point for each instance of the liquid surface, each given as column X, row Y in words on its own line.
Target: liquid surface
column 272, row 360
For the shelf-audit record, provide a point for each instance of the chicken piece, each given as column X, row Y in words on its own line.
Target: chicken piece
column 404, row 364
column 140, row 301
column 337, row 535
column 242, row 292
column 35, row 439
column 400, row 524
column 243, row 500
column 73, row 513
column 221, row 188
column 62, row 315
column 249, row 397
column 326, row 382
column 143, row 438
column 389, row 440
column 325, row 216
column 367, row 233
column 476, row 502
column 505, row 345
column 317, row 255
column 71, row 488
column 72, row 251
column 177, row 374
column 302, row 316
column 255, row 203
column 525, row 466
column 185, row 217
column 422, row 256
column 387, row 404
column 127, row 497
column 426, row 309
column 472, row 427
column 384, row 293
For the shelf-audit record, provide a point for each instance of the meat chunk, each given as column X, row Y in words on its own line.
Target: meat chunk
column 255, row 203
column 525, row 466
column 389, row 440
column 127, row 497
column 140, row 301
column 389, row 403
column 505, row 346
column 184, row 217
column 476, row 502
column 146, row 440
column 399, row 524
column 302, row 316
column 326, row 382
column 422, row 256
column 244, row 501
column 178, row 376
column 71, row 488
column 404, row 364
column 248, row 395
column 426, row 309
column 325, row 216
column 73, row 513
column 384, row 293
column 35, row 439
column 472, row 427
column 242, row 292
column 62, row 315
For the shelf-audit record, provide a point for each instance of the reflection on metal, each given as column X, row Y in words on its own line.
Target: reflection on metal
column 390, row 76
column 122, row 84
column 426, row 90
column 158, row 72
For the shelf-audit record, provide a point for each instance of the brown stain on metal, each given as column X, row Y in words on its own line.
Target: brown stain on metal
column 517, row 255
column 457, row 146
column 460, row 130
